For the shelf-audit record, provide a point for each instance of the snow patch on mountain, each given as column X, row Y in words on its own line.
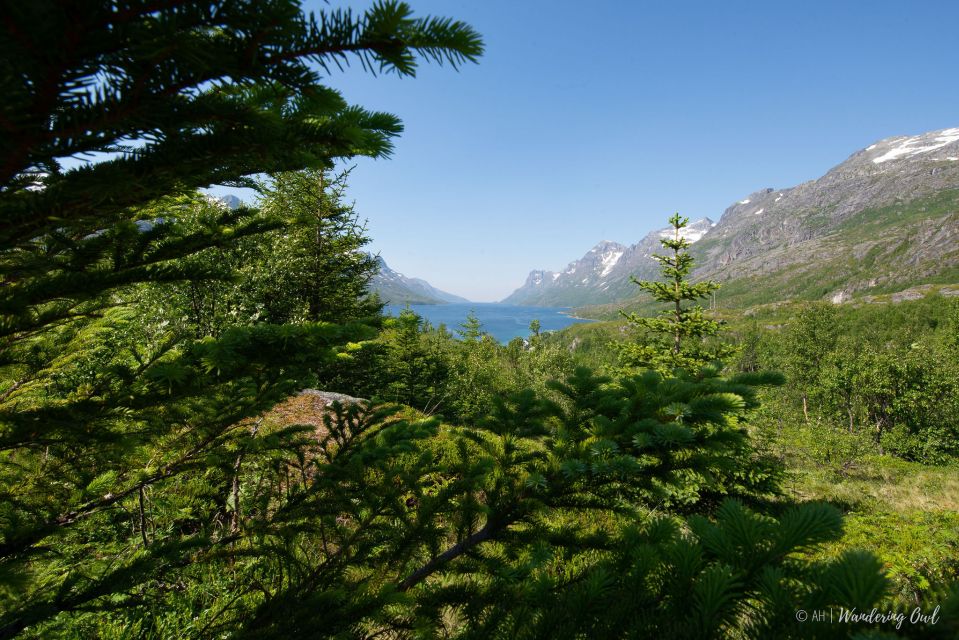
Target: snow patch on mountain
column 691, row 233
column 609, row 261
column 604, row 272
column 908, row 146
column 695, row 233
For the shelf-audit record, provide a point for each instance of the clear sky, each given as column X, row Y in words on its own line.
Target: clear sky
column 593, row 121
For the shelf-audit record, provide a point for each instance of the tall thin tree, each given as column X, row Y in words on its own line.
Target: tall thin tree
column 679, row 332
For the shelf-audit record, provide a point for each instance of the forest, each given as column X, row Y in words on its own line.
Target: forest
column 168, row 472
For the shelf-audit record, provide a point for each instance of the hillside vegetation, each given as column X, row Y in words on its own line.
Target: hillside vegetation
column 884, row 220
column 880, row 370
column 208, row 429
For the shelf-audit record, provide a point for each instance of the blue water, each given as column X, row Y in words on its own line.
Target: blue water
column 502, row 321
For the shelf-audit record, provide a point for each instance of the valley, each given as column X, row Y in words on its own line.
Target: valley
column 226, row 417
column 885, row 219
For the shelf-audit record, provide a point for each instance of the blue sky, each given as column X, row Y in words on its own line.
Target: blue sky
column 583, row 123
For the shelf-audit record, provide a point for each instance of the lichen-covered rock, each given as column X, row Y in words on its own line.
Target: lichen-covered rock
column 309, row 406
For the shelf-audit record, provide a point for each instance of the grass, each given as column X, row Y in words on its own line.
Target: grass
column 882, row 481
column 907, row 513
column 894, row 216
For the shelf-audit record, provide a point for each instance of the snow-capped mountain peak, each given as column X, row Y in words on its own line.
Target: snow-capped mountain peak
column 602, row 272
column 911, row 146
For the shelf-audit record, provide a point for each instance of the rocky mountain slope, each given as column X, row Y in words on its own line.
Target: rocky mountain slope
column 395, row 288
column 230, row 201
column 885, row 219
column 603, row 274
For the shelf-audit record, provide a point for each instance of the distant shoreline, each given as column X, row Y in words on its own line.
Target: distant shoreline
column 502, row 321
column 575, row 317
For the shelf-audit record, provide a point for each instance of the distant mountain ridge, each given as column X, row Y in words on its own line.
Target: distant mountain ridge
column 603, row 274
column 395, row 288
column 391, row 286
column 885, row 219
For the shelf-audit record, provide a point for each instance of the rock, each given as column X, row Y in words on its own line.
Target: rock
column 805, row 224
column 886, row 215
column 908, row 294
column 309, row 406
column 329, row 397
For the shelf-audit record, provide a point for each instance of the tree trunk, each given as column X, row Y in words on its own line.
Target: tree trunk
column 679, row 308
column 143, row 519
column 313, row 297
column 235, row 492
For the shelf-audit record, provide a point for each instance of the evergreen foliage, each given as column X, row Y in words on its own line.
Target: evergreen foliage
column 471, row 330
column 310, row 268
column 154, row 480
column 679, row 332
column 731, row 577
column 416, row 366
column 183, row 96
column 897, row 492
column 121, row 435
column 399, row 525
column 317, row 268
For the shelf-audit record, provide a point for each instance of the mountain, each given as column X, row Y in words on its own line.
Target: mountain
column 231, row 201
column 603, row 274
column 395, row 288
column 392, row 287
column 883, row 220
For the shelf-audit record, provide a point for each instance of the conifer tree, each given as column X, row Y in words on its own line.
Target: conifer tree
column 181, row 96
column 416, row 372
column 552, row 519
column 471, row 329
column 318, row 263
column 123, row 440
column 679, row 331
column 310, row 268
column 144, row 493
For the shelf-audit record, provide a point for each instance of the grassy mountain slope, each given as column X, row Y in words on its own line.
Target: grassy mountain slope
column 885, row 220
